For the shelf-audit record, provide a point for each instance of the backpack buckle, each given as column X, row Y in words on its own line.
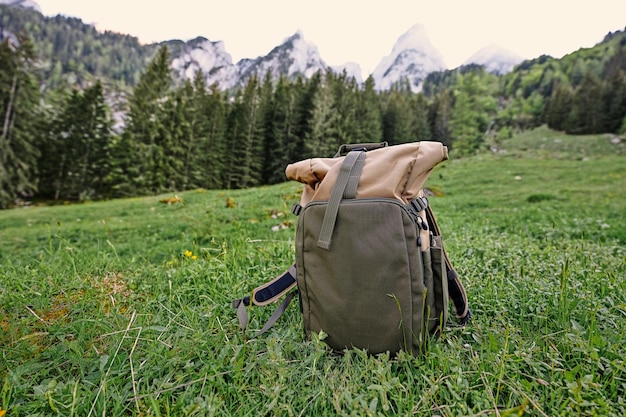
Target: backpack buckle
column 419, row 204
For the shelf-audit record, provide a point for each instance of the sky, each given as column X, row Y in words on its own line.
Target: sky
column 355, row 30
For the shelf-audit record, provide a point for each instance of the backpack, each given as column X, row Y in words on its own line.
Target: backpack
column 371, row 271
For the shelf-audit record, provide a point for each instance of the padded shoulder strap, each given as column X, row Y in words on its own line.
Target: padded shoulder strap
column 265, row 294
column 455, row 287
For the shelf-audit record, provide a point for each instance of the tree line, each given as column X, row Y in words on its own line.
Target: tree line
column 177, row 135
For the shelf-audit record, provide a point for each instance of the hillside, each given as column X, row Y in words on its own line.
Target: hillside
column 122, row 307
column 74, row 53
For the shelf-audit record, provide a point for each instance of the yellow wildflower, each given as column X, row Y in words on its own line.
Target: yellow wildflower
column 188, row 253
column 194, row 257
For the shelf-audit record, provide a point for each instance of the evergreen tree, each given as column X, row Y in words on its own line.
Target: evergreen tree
column 306, row 93
column 345, row 103
column 440, row 117
column 76, row 157
column 368, row 114
column 203, row 143
column 559, row 106
column 144, row 153
column 586, row 115
column 420, row 127
column 467, row 132
column 245, row 147
column 322, row 140
column 174, row 142
column 614, row 101
column 397, row 119
column 213, row 149
column 280, row 129
column 20, row 111
column 97, row 142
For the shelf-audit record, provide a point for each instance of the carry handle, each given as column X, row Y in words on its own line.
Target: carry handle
column 345, row 148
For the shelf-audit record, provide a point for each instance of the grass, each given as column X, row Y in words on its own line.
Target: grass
column 123, row 307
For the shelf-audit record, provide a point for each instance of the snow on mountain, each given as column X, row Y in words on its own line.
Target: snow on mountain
column 295, row 56
column 412, row 58
column 27, row 4
column 352, row 69
column 495, row 59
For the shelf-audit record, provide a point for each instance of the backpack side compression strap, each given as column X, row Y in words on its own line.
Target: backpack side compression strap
column 455, row 287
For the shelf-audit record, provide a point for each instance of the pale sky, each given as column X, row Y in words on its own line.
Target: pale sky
column 359, row 31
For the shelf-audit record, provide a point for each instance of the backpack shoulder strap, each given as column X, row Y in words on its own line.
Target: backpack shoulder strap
column 455, row 287
column 266, row 294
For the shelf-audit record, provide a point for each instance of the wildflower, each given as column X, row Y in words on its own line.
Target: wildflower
column 194, row 257
column 188, row 253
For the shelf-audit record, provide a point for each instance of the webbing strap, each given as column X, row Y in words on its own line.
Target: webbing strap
column 265, row 294
column 242, row 314
column 456, row 291
column 345, row 187
column 276, row 288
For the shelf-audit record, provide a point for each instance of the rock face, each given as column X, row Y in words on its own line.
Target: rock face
column 295, row 56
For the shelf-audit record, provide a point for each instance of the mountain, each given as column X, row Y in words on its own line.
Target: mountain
column 211, row 58
column 412, row 58
column 295, row 56
column 495, row 59
column 74, row 53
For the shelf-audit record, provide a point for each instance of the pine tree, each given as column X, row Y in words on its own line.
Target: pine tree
column 280, row 128
column 559, row 106
column 420, row 127
column 145, row 137
column 245, row 148
column 193, row 95
column 440, row 117
column 397, row 116
column 306, row 92
column 20, row 111
column 468, row 122
column 97, row 142
column 345, row 103
column 368, row 114
column 174, row 142
column 213, row 148
column 76, row 157
column 322, row 140
column 586, row 115
column 614, row 101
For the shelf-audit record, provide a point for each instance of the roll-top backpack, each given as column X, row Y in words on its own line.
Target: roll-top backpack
column 370, row 269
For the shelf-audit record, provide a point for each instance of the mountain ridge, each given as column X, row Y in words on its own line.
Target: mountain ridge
column 412, row 58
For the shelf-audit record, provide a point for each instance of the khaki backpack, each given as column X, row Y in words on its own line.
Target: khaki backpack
column 371, row 270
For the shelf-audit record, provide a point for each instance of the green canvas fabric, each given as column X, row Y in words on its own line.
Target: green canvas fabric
column 373, row 289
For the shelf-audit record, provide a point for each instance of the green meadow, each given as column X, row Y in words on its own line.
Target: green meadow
column 122, row 307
